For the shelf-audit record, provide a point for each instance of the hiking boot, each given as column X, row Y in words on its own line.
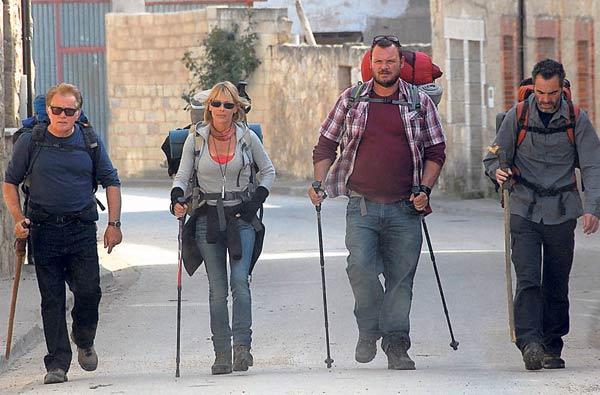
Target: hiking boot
column 533, row 353
column 55, row 376
column 553, row 361
column 242, row 358
column 398, row 358
column 87, row 357
column 366, row 349
column 222, row 363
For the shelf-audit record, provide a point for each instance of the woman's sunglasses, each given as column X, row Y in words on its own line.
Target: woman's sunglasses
column 227, row 105
column 69, row 112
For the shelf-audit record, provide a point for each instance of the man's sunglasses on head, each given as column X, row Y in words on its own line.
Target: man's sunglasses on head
column 217, row 104
column 393, row 39
column 69, row 112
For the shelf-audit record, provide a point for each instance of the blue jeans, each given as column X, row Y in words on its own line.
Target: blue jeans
column 215, row 261
column 67, row 253
column 386, row 240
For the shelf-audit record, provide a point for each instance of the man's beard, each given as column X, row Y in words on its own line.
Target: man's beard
column 387, row 84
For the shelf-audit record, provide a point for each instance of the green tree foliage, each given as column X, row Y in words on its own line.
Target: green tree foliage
column 227, row 56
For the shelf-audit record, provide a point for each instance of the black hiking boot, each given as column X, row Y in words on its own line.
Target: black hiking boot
column 55, row 376
column 242, row 358
column 366, row 349
column 222, row 363
column 87, row 357
column 533, row 353
column 553, row 361
column 397, row 355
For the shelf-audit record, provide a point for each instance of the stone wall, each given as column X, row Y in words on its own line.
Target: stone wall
column 305, row 83
column 13, row 62
column 10, row 64
column 146, row 76
column 488, row 23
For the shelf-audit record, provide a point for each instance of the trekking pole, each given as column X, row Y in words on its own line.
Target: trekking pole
column 507, row 258
column 20, row 253
column 179, row 270
column 317, row 187
column 453, row 343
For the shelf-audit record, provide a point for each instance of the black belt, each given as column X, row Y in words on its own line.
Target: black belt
column 545, row 192
column 38, row 215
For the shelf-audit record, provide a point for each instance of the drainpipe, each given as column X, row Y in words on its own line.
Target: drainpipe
column 26, row 36
column 522, row 39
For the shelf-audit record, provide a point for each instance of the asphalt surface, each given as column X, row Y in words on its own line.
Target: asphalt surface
column 136, row 336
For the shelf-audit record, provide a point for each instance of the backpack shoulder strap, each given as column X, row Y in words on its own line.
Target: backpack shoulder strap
column 415, row 99
column 355, row 94
column 38, row 133
column 90, row 139
column 573, row 117
column 522, row 119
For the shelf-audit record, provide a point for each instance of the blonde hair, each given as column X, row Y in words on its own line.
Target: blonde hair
column 229, row 89
column 64, row 89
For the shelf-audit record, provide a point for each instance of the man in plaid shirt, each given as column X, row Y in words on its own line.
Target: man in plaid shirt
column 390, row 157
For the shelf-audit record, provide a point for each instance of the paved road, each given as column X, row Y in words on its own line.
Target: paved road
column 136, row 338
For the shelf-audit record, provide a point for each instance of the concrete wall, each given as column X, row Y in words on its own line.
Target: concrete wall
column 483, row 22
column 292, row 90
column 409, row 19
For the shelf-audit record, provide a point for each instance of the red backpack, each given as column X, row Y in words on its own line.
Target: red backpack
column 525, row 90
column 418, row 68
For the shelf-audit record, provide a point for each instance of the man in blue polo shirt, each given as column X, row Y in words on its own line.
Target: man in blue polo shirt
column 60, row 168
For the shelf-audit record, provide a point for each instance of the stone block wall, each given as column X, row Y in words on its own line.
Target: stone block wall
column 146, row 76
column 304, row 86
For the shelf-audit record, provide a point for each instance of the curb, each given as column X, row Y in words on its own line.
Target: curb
column 35, row 335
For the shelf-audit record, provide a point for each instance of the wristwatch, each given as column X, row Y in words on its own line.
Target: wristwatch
column 116, row 224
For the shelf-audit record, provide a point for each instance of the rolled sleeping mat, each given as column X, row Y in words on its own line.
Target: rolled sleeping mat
column 434, row 91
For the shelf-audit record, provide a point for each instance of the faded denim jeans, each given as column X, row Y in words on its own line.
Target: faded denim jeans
column 216, row 268
column 386, row 240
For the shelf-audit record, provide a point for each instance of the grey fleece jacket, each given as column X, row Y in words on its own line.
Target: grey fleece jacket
column 548, row 160
column 237, row 171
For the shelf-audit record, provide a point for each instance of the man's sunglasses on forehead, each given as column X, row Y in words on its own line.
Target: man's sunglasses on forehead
column 393, row 39
column 69, row 112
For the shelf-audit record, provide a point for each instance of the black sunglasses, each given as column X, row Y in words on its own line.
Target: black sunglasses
column 393, row 39
column 69, row 112
column 217, row 104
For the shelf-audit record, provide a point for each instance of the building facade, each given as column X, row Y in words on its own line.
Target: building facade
column 476, row 42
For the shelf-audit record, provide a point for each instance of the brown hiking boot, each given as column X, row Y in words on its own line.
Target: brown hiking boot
column 533, row 353
column 398, row 358
column 366, row 349
column 242, row 358
column 222, row 363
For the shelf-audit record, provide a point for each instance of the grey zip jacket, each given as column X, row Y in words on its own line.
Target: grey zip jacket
column 548, row 160
column 237, row 171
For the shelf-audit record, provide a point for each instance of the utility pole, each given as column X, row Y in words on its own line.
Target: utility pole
column 310, row 38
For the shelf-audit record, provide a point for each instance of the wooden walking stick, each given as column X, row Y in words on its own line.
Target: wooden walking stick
column 505, row 202
column 20, row 254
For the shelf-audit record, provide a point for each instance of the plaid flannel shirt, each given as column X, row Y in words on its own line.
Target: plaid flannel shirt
column 346, row 127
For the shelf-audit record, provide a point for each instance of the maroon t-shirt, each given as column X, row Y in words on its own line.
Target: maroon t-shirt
column 383, row 167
